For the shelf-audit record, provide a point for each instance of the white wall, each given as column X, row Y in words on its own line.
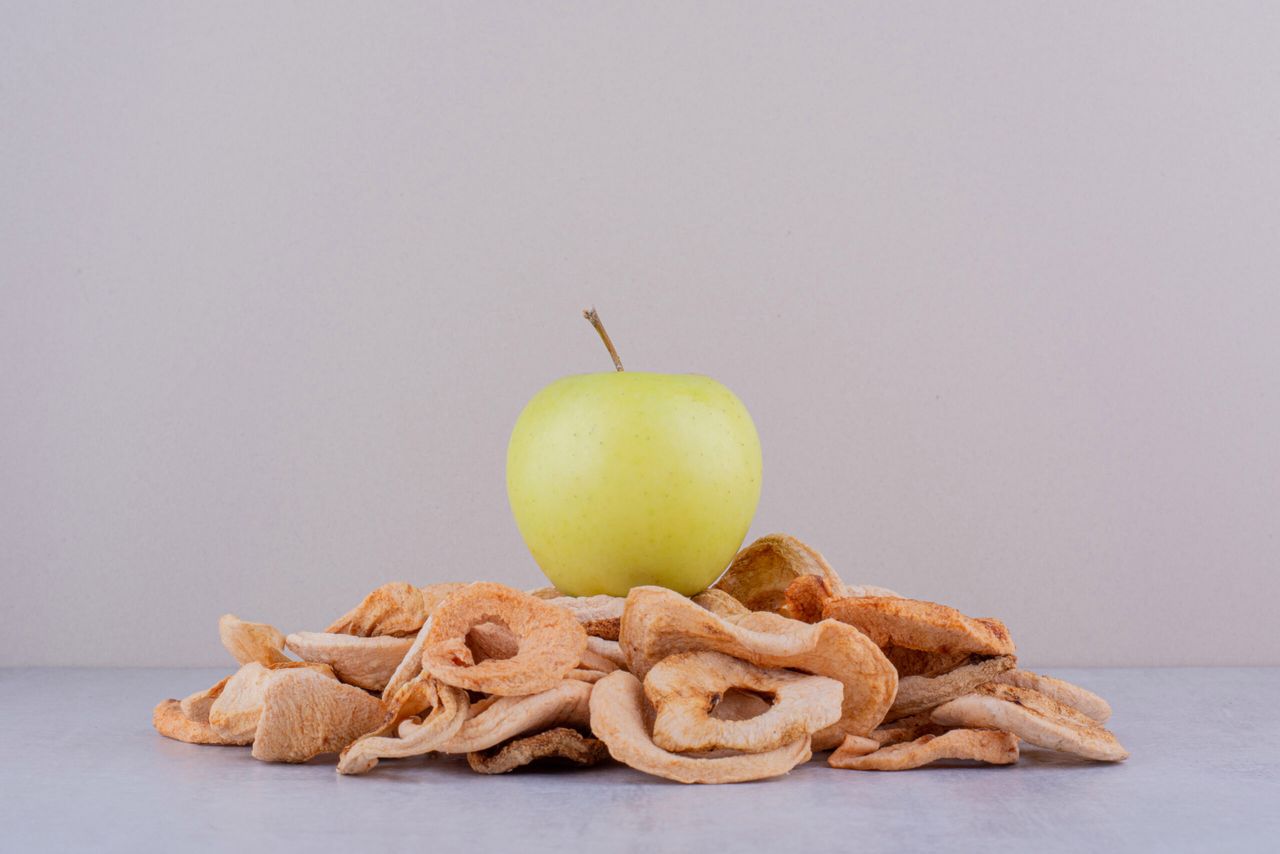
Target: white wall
column 1000, row 283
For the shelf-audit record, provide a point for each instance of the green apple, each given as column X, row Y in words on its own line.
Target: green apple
column 626, row 478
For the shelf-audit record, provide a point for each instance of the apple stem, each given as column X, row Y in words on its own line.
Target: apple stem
column 594, row 320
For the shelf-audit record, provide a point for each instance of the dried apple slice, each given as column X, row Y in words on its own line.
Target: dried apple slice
column 659, row 622
column 235, row 713
column 994, row 748
column 251, row 641
column 917, row 662
column 759, row 575
column 598, row 615
column 906, row 729
column 562, row 744
column 448, row 707
column 921, row 693
column 720, row 603
column 305, row 714
column 1033, row 717
column 392, row 609
column 686, row 688
column 915, row 624
column 565, row 704
column 592, row 660
column 410, row 665
column 169, row 721
column 856, row 745
column 807, row 596
column 364, row 662
column 196, row 706
column 607, row 649
column 550, row 642
column 617, row 719
column 1078, row 698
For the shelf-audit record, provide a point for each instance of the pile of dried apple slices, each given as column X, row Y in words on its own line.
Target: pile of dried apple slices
column 744, row 681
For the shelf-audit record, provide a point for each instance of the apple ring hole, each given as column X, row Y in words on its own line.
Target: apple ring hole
column 491, row 639
column 741, row 704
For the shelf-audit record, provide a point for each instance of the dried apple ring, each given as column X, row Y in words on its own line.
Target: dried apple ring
column 617, row 719
column 686, row 688
column 550, row 642
column 659, row 622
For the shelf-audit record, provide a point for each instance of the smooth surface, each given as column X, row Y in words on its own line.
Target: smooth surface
column 996, row 280
column 83, row 768
column 623, row 479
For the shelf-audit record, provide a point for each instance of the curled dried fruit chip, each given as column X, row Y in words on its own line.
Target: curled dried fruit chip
column 448, row 706
column 807, row 596
column 251, row 641
column 583, row 674
column 392, row 609
column 659, row 622
column 196, row 706
column 686, row 688
column 916, row 624
column 560, row 743
column 364, row 662
column 617, row 719
column 995, row 748
column 721, row 604
column 921, row 693
column 856, row 745
column 592, row 660
column 598, row 615
column 550, row 641
column 305, row 713
column 235, row 713
column 917, row 662
column 1033, row 717
column 169, row 721
column 759, row 575
column 410, row 665
column 906, row 729
column 1078, row 698
column 607, row 649
column 565, row 704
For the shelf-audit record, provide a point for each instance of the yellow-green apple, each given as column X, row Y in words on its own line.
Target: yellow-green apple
column 627, row 478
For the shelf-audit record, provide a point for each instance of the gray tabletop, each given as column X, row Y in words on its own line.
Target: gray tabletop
column 84, row 770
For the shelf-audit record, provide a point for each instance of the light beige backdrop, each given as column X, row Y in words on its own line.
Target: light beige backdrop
column 1000, row 283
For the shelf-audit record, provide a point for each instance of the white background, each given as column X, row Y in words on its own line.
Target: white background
column 1000, row 283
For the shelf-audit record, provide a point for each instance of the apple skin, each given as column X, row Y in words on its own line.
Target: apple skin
column 628, row 478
